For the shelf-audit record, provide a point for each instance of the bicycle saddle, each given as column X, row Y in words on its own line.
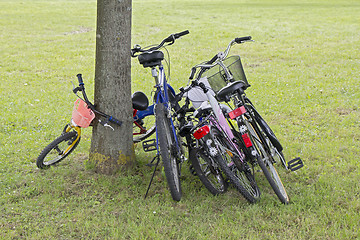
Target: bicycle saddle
column 223, row 94
column 140, row 101
column 151, row 59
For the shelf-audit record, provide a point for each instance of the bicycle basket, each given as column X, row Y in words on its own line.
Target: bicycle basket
column 216, row 75
column 82, row 115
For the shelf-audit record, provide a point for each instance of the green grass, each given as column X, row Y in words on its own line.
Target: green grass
column 304, row 72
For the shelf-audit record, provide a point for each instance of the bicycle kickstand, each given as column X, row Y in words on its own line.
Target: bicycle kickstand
column 152, row 177
column 150, row 164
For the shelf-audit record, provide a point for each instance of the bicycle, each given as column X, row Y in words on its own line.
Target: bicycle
column 167, row 143
column 215, row 149
column 203, row 164
column 84, row 112
column 259, row 142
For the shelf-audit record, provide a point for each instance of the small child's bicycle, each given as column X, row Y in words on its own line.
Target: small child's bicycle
column 83, row 115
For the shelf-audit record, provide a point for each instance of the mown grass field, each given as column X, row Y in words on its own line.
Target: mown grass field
column 304, row 72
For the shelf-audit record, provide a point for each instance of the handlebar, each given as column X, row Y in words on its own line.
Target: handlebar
column 81, row 88
column 170, row 39
column 79, row 76
column 218, row 57
column 175, row 36
column 114, row 120
column 242, row 39
column 184, row 90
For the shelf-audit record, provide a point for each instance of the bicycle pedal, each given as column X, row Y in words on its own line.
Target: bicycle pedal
column 149, row 145
column 295, row 164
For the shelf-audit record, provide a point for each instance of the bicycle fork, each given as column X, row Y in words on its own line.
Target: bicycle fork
column 67, row 129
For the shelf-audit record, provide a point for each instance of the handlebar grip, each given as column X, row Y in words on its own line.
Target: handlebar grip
column 132, row 52
column 183, row 33
column 79, row 76
column 242, row 39
column 114, row 120
column 183, row 90
column 213, row 59
column 136, row 49
column 193, row 71
column 174, row 36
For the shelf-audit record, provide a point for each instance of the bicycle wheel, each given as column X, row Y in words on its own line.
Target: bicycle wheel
column 168, row 151
column 242, row 178
column 143, row 128
column 268, row 156
column 207, row 171
column 57, row 150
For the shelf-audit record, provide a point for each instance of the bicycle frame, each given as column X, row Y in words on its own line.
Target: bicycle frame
column 141, row 114
column 221, row 123
column 138, row 115
column 163, row 97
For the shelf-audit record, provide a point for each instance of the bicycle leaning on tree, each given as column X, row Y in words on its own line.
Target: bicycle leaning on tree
column 83, row 114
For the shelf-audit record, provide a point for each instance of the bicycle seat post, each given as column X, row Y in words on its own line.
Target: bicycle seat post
column 154, row 72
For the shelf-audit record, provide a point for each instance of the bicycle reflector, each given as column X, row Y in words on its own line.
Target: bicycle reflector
column 201, row 132
column 237, row 112
column 247, row 140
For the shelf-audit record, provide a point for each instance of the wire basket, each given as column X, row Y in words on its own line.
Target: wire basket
column 217, row 77
column 82, row 115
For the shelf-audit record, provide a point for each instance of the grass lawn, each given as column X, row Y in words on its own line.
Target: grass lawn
column 304, row 71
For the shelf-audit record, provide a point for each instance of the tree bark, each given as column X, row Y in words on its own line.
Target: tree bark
column 110, row 150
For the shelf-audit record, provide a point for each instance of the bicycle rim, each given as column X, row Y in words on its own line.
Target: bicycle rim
column 207, row 172
column 58, row 149
column 265, row 161
column 243, row 181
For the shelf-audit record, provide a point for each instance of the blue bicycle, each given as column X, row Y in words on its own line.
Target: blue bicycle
column 167, row 143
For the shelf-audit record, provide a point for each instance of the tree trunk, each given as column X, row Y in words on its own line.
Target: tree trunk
column 110, row 150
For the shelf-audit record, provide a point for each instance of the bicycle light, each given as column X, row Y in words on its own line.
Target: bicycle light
column 201, row 132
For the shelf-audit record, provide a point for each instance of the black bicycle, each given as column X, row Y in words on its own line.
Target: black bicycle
column 227, row 78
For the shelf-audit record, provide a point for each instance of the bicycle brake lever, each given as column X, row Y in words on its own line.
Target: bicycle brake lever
column 106, row 125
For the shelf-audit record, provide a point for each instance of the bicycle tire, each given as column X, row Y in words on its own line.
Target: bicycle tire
column 265, row 161
column 243, row 181
column 52, row 154
column 166, row 141
column 140, row 137
column 265, row 127
column 208, row 174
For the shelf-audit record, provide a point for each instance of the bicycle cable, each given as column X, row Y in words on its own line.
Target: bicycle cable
column 168, row 63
